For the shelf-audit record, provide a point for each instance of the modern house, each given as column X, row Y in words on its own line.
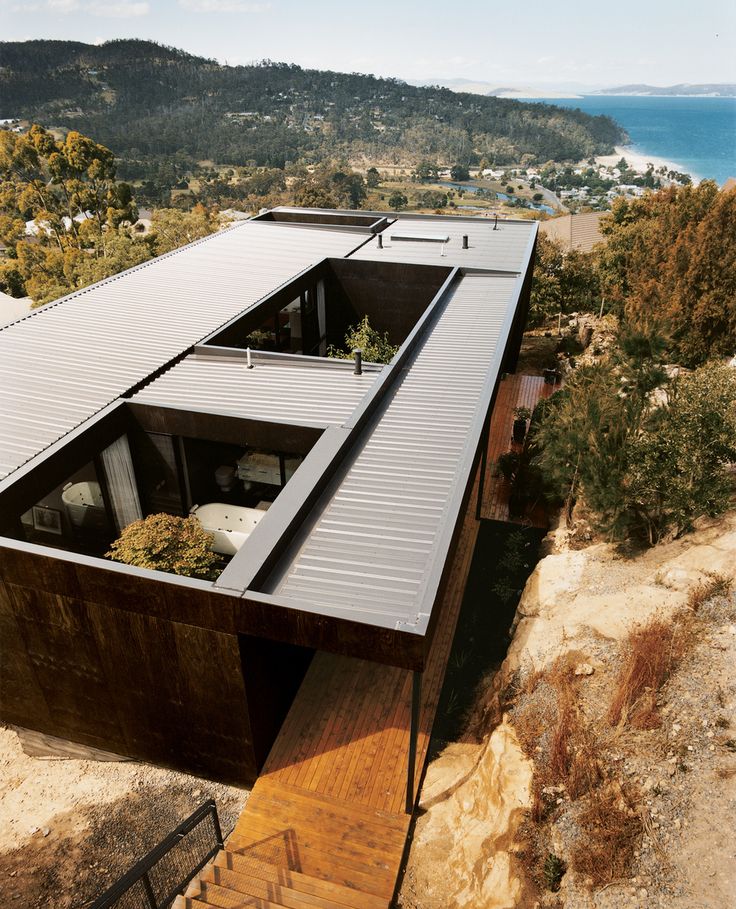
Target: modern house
column 199, row 380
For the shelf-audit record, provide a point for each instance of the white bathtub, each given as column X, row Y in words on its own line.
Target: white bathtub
column 231, row 525
column 83, row 504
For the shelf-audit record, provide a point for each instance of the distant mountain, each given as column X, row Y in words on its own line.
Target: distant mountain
column 146, row 101
column 489, row 89
column 713, row 90
column 531, row 93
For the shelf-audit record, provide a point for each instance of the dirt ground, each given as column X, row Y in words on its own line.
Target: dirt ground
column 69, row 828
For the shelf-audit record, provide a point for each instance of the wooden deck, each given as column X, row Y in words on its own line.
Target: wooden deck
column 325, row 824
column 513, row 392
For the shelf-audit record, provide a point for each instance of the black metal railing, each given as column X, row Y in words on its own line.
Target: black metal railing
column 155, row 881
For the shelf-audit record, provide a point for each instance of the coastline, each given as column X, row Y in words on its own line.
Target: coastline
column 638, row 161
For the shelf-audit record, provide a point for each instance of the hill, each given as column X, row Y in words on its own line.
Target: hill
column 147, row 101
column 716, row 90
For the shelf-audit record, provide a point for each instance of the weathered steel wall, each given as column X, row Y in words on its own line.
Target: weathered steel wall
column 78, row 664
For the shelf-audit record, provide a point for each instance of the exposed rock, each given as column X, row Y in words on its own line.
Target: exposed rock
column 464, row 838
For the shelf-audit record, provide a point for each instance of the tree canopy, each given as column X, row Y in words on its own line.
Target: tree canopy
column 66, row 221
column 670, row 263
column 151, row 104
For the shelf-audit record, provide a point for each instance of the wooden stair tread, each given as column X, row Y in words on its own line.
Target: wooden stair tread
column 305, row 804
column 325, row 866
column 304, row 883
column 352, row 840
column 192, row 902
column 371, row 856
column 221, row 897
column 274, row 892
column 271, row 785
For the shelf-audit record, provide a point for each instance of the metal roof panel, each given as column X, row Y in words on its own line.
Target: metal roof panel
column 66, row 361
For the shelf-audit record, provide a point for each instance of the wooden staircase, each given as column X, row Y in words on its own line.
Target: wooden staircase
column 294, row 849
column 325, row 825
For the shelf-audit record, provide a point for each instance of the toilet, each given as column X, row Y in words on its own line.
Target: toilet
column 225, row 478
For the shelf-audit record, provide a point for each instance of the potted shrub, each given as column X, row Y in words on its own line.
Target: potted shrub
column 521, row 416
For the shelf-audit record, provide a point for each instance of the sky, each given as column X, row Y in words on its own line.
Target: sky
column 569, row 43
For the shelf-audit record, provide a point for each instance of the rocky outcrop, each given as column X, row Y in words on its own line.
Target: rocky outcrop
column 465, row 837
column 579, row 604
column 574, row 594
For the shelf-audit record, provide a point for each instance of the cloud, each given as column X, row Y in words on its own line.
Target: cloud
column 125, row 9
column 63, row 6
column 118, row 9
column 223, row 6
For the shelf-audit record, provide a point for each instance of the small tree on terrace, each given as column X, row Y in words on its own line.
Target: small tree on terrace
column 375, row 346
column 164, row 542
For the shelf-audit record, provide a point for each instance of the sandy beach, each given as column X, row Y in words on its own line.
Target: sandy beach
column 640, row 161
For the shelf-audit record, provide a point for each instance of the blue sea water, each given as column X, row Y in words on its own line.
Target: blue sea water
column 698, row 134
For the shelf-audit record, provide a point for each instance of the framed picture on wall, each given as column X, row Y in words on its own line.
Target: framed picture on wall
column 46, row 519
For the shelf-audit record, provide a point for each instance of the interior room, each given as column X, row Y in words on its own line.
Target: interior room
column 228, row 483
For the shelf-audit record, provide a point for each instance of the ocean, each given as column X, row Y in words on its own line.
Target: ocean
column 696, row 134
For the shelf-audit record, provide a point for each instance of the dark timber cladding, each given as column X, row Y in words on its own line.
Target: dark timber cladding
column 352, row 557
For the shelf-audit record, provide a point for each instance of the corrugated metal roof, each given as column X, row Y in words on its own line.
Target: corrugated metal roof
column 66, row 361
column 503, row 249
column 302, row 391
column 374, row 537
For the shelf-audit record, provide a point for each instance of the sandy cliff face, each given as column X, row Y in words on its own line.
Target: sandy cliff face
column 573, row 595
column 481, row 842
column 479, row 794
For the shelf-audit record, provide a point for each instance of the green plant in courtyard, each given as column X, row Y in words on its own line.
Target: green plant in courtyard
column 165, row 542
column 375, row 346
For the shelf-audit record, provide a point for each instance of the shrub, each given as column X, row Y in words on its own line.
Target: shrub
column 563, row 282
column 375, row 346
column 670, row 259
column 165, row 542
column 644, row 471
column 678, row 471
column 610, row 830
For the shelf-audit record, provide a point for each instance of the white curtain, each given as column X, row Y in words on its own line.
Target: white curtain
column 121, row 483
column 322, row 318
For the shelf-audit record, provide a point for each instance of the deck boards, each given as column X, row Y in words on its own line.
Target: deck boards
column 514, row 391
column 330, row 801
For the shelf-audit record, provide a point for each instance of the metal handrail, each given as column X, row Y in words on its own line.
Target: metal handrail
column 139, row 874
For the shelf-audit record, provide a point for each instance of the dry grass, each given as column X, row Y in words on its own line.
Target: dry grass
column 717, row 585
column 610, row 829
column 559, row 738
column 653, row 651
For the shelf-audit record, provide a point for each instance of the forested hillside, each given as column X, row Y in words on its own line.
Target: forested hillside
column 149, row 102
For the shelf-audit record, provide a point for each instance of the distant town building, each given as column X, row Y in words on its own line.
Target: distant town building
column 580, row 232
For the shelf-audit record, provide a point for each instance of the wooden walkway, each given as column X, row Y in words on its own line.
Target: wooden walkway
column 325, row 824
column 513, row 392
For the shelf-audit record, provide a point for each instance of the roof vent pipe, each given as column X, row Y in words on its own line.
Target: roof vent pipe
column 465, row 241
column 495, row 223
column 247, row 357
column 380, row 241
column 358, row 354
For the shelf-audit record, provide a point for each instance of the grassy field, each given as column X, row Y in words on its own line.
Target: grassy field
column 460, row 202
